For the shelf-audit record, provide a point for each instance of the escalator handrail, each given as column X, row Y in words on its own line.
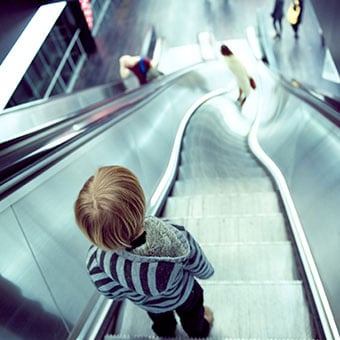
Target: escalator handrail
column 326, row 104
column 326, row 325
column 26, row 156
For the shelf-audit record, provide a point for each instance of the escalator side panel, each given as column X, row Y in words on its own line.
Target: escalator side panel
column 27, row 309
column 306, row 148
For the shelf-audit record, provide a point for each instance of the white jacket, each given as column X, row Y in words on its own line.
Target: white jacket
column 240, row 73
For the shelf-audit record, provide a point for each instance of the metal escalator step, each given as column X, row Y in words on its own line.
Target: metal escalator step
column 223, row 156
column 199, row 170
column 225, row 143
column 242, row 310
column 262, row 310
column 251, row 228
column 222, row 204
column 266, row 261
column 201, row 186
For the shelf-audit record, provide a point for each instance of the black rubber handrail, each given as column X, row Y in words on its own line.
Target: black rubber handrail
column 318, row 94
column 327, row 105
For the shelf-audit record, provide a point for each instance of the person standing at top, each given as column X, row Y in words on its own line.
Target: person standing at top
column 277, row 16
column 142, row 67
column 294, row 15
column 152, row 262
column 244, row 81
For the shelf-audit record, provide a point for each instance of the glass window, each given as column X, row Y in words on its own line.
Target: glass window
column 56, row 55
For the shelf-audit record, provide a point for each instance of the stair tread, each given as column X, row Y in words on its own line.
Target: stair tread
column 252, row 261
column 267, row 310
column 221, row 185
column 221, row 204
column 238, row 170
column 235, row 228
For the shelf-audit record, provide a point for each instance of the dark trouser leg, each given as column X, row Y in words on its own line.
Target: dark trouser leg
column 280, row 26
column 191, row 314
column 295, row 29
column 164, row 324
column 275, row 26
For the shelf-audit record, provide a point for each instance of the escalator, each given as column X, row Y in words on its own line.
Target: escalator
column 229, row 203
column 198, row 167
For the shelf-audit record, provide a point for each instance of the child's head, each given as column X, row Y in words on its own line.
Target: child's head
column 110, row 208
column 225, row 50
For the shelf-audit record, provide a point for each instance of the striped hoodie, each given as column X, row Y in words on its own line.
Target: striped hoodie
column 158, row 275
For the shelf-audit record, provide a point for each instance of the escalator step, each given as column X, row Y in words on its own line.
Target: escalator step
column 198, row 170
column 268, row 310
column 221, row 185
column 272, row 261
column 236, row 228
column 222, row 204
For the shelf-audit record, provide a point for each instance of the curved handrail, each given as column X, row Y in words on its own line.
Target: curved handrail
column 316, row 287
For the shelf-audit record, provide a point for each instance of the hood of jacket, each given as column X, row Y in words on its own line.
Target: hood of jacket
column 161, row 241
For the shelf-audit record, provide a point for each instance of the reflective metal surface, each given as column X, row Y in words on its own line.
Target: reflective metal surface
column 306, row 148
column 44, row 252
column 33, row 116
column 27, row 309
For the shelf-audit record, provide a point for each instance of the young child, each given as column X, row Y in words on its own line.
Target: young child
column 149, row 261
column 244, row 81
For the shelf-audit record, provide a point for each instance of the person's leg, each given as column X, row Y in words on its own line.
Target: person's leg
column 295, row 29
column 243, row 100
column 274, row 25
column 280, row 26
column 164, row 324
column 196, row 320
column 240, row 92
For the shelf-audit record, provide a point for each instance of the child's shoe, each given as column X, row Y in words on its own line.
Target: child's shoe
column 208, row 315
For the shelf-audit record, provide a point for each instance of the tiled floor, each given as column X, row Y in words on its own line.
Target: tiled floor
column 178, row 22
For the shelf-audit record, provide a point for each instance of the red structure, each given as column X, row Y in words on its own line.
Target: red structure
column 87, row 10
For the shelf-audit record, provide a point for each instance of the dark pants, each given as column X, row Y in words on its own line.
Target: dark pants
column 277, row 23
column 191, row 314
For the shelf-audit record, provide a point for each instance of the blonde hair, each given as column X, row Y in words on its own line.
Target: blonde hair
column 110, row 208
